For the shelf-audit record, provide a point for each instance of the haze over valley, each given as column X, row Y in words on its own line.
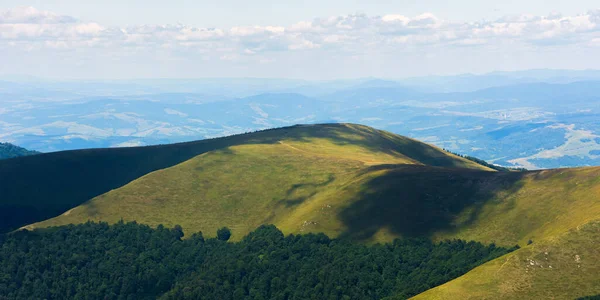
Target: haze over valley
column 532, row 119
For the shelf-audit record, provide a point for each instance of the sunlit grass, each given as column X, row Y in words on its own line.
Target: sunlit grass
column 322, row 179
column 562, row 267
column 289, row 182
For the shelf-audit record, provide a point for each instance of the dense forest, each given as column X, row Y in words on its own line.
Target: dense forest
column 133, row 261
column 8, row 150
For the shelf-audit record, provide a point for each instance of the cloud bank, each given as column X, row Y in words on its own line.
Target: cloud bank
column 45, row 34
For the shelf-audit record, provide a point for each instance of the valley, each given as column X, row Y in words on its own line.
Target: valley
column 534, row 124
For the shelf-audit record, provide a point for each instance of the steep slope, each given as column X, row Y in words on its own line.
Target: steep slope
column 356, row 182
column 298, row 191
column 563, row 267
column 559, row 212
column 8, row 150
column 43, row 186
column 560, row 215
column 344, row 188
column 38, row 187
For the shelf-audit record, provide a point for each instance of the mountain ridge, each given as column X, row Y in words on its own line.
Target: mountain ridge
column 44, row 186
column 8, row 150
column 369, row 186
column 354, row 173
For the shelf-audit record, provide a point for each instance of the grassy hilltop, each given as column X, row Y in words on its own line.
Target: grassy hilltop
column 277, row 179
column 368, row 185
column 351, row 180
column 43, row 186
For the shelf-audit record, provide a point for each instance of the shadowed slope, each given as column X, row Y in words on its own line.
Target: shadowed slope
column 245, row 186
column 415, row 201
column 241, row 187
column 39, row 187
column 559, row 212
column 383, row 202
column 353, row 182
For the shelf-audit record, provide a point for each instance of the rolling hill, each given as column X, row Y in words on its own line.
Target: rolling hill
column 562, row 267
column 355, row 182
column 43, row 186
column 305, row 187
column 561, row 259
column 350, row 180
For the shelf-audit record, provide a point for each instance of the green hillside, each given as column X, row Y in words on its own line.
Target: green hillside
column 8, row 150
column 314, row 185
column 562, row 261
column 562, row 267
column 354, row 182
column 43, row 186
column 300, row 191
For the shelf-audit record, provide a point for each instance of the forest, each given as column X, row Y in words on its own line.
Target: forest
column 134, row 261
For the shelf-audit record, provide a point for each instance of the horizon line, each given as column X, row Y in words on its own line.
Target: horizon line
column 28, row 77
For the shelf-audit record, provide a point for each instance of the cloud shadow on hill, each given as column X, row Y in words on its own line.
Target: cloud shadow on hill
column 43, row 186
column 417, row 201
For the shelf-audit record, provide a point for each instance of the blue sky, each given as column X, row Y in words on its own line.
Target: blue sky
column 308, row 39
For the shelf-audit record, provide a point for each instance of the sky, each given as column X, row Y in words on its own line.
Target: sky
column 115, row 39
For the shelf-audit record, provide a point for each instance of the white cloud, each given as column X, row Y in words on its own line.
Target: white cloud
column 355, row 35
column 30, row 24
column 30, row 15
column 304, row 44
column 396, row 18
column 170, row 111
column 131, row 143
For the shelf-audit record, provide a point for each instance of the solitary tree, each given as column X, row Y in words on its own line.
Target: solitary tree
column 223, row 234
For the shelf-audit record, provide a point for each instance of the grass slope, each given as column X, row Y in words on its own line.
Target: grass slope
column 344, row 189
column 352, row 181
column 560, row 213
column 563, row 267
column 43, row 186
column 248, row 185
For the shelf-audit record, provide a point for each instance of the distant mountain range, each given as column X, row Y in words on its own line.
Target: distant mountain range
column 533, row 119
column 8, row 150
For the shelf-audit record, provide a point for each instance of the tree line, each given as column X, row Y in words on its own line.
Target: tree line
column 134, row 261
